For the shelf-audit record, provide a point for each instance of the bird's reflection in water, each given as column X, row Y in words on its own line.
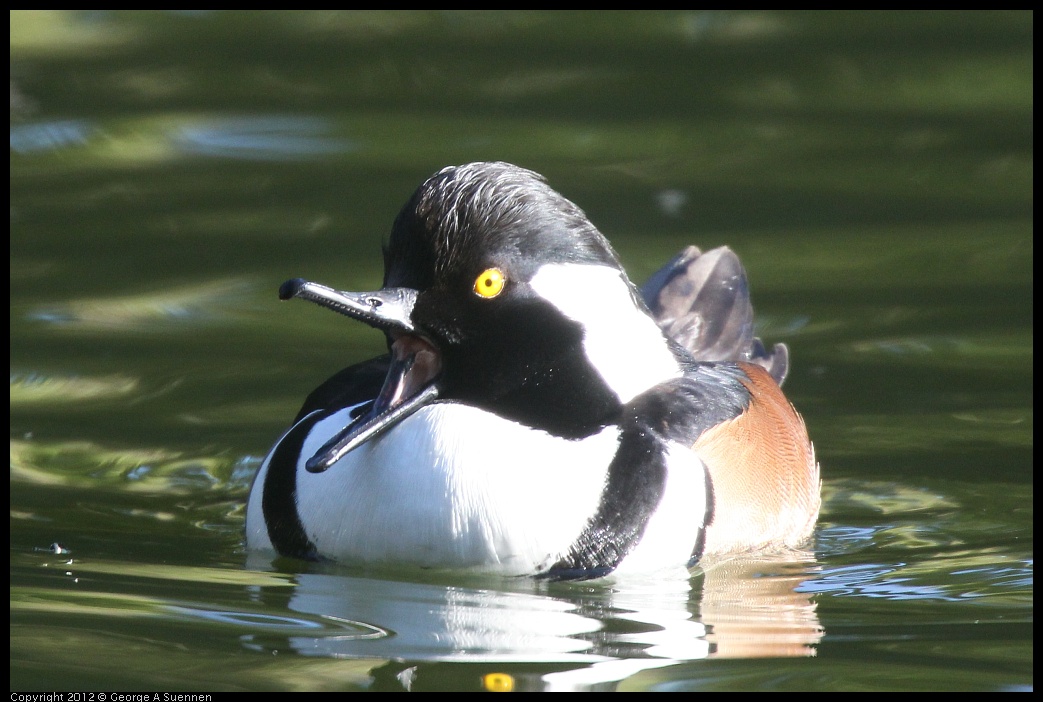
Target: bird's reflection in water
column 571, row 635
column 754, row 607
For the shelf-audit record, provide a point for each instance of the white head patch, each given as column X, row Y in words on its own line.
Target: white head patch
column 620, row 340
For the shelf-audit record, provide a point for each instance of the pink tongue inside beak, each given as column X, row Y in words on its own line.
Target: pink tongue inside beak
column 414, row 364
column 409, row 385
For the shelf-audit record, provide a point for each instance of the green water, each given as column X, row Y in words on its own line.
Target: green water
column 170, row 169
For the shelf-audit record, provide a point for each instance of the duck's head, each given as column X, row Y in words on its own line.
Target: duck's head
column 500, row 293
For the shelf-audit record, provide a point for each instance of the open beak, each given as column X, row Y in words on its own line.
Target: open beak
column 411, row 381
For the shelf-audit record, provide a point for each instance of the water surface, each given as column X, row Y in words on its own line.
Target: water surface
column 170, row 169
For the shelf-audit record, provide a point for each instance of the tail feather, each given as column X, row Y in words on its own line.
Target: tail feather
column 702, row 301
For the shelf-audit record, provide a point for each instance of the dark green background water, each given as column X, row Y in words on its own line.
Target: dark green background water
column 170, row 169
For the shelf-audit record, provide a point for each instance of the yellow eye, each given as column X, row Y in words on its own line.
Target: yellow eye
column 489, row 283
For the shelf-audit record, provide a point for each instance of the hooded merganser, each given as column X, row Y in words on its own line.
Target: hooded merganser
column 538, row 414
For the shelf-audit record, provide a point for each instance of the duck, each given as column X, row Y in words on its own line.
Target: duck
column 537, row 413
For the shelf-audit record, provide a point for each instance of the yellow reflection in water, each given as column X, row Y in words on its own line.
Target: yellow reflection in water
column 143, row 311
column 85, row 464
column 34, row 389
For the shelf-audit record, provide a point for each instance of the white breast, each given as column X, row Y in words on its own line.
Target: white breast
column 438, row 491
